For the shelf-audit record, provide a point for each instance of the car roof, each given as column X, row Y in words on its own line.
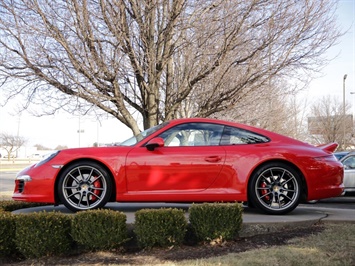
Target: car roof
column 223, row 122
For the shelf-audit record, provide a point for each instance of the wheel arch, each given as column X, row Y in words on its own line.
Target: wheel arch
column 304, row 191
column 113, row 192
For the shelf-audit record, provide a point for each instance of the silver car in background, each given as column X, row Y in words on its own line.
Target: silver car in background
column 349, row 172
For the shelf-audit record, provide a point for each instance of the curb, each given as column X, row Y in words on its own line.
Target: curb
column 253, row 229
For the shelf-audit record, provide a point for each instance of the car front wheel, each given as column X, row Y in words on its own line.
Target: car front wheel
column 275, row 188
column 84, row 186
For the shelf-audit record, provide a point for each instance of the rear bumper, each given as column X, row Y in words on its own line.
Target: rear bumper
column 325, row 181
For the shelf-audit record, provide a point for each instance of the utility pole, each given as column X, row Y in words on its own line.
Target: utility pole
column 344, row 78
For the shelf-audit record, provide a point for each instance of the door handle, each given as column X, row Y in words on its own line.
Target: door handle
column 213, row 159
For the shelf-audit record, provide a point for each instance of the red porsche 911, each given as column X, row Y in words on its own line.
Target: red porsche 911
column 188, row 160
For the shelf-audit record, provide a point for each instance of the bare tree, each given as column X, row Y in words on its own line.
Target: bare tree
column 11, row 143
column 270, row 108
column 40, row 147
column 154, row 60
column 61, row 147
column 327, row 122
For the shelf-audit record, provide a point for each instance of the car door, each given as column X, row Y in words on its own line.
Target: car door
column 349, row 172
column 189, row 161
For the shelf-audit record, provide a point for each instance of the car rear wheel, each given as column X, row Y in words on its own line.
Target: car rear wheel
column 84, row 186
column 275, row 188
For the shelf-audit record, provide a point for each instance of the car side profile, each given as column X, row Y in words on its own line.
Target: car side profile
column 188, row 160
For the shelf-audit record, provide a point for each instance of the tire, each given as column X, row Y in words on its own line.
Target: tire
column 84, row 186
column 275, row 188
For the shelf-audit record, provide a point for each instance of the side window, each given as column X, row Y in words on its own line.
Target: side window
column 235, row 136
column 193, row 134
column 349, row 163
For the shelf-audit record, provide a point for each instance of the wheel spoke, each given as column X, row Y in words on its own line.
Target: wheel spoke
column 266, row 195
column 74, row 178
column 80, row 174
column 281, row 176
column 96, row 178
column 73, row 194
column 266, row 179
column 274, row 200
column 80, row 199
column 263, row 188
column 87, row 199
column 98, row 188
column 95, row 195
column 289, row 190
column 87, row 176
column 72, row 188
column 285, row 195
column 291, row 179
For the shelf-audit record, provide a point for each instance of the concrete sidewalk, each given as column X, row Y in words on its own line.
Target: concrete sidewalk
column 254, row 222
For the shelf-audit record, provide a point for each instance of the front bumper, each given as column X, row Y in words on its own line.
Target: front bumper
column 35, row 184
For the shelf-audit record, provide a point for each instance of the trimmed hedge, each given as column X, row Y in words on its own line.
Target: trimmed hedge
column 11, row 205
column 43, row 234
column 7, row 234
column 211, row 221
column 160, row 227
column 99, row 229
column 51, row 233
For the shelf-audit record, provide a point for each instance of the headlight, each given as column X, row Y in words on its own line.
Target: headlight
column 47, row 158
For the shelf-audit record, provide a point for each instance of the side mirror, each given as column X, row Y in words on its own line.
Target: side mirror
column 154, row 143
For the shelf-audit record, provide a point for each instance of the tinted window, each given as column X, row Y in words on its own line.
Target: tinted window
column 193, row 134
column 235, row 136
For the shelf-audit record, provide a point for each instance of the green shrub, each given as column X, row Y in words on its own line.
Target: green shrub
column 162, row 227
column 12, row 205
column 211, row 221
column 99, row 229
column 7, row 234
column 43, row 234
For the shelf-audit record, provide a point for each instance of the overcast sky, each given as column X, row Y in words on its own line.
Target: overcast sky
column 62, row 129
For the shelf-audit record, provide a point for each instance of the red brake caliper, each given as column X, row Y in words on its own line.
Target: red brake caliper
column 97, row 184
column 264, row 191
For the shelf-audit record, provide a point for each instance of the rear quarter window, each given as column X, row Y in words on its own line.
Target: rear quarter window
column 236, row 136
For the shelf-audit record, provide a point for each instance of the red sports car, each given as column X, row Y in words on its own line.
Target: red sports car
column 188, row 160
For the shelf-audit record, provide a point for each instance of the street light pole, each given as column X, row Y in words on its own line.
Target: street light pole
column 344, row 78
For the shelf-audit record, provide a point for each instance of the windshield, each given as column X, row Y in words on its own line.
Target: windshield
column 133, row 140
